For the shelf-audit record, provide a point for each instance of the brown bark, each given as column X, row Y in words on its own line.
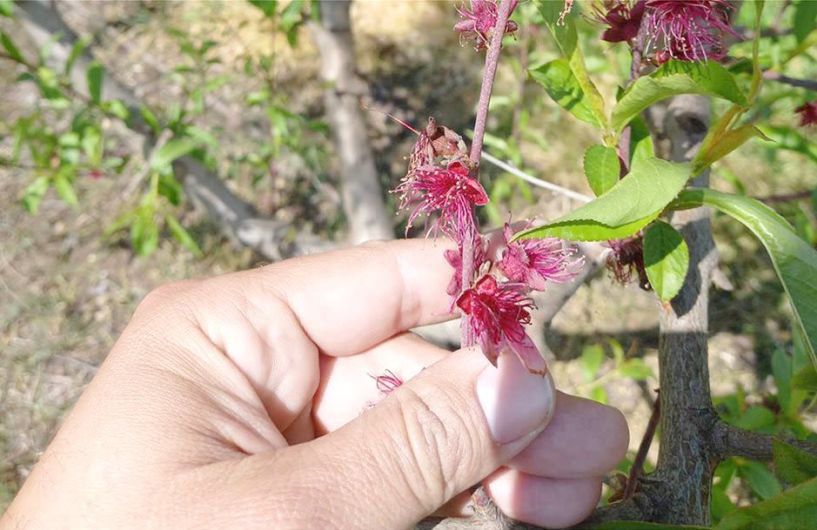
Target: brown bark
column 362, row 194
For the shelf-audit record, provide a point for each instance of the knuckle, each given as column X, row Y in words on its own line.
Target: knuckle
column 438, row 443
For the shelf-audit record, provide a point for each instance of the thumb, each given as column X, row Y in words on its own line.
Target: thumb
column 434, row 437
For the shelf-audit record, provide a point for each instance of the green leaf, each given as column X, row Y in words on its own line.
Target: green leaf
column 76, row 50
column 793, row 465
column 725, row 144
column 755, row 419
column 64, row 184
column 94, row 75
column 34, row 193
column 640, row 140
column 170, row 151
column 591, row 361
column 628, row 207
column 666, row 258
column 92, row 145
column 805, row 13
column 794, row 508
column 266, row 6
column 805, row 379
column 10, row 47
column 150, row 119
column 760, row 479
column 676, row 77
column 144, row 232
column 791, row 140
column 567, row 39
column 602, row 168
column 563, row 87
column 170, row 188
column 6, row 8
column 635, row 369
column 183, row 236
column 116, row 108
column 794, row 260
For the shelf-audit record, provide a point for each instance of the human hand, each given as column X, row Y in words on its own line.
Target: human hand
column 237, row 402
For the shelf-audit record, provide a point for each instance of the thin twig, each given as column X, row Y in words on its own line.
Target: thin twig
column 787, row 197
column 644, row 448
column 530, row 179
column 809, row 84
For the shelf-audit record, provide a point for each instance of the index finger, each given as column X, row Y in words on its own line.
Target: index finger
column 352, row 299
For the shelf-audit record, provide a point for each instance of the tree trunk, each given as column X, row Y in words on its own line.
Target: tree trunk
column 362, row 195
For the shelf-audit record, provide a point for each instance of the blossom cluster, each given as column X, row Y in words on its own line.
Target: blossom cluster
column 684, row 30
column 442, row 184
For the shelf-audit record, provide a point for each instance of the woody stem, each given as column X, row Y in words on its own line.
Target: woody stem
column 491, row 62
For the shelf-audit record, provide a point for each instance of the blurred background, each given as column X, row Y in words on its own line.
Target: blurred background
column 145, row 141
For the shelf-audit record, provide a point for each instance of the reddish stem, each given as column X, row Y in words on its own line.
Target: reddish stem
column 488, row 74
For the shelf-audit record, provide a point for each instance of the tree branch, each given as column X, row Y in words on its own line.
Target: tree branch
column 727, row 440
column 362, row 194
column 809, row 84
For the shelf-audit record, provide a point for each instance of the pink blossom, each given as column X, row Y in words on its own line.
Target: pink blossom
column 691, row 30
column 496, row 314
column 535, row 261
column 451, row 191
column 479, row 21
column 623, row 21
column 808, row 113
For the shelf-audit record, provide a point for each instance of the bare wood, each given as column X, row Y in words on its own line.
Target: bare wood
column 362, row 194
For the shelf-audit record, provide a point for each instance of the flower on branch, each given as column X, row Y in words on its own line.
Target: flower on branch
column 479, row 21
column 535, row 261
column 688, row 30
column 436, row 142
column 454, row 258
column 497, row 314
column 623, row 21
column 626, row 259
column 808, row 113
column 452, row 191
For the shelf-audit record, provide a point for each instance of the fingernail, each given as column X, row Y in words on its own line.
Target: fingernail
column 515, row 402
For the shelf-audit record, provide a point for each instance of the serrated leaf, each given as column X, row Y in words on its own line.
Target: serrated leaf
column 635, row 369
column 634, row 202
column 760, row 479
column 805, row 379
column 34, row 193
column 666, row 259
column 793, row 465
column 794, row 260
column 805, row 13
column 94, row 75
column 183, row 236
column 567, row 39
column 170, row 151
column 674, row 78
column 563, row 87
column 602, row 168
column 641, row 145
column 10, row 47
column 794, row 508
